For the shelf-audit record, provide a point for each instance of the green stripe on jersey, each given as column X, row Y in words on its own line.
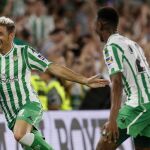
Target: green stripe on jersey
column 127, row 87
column 116, row 45
column 145, row 86
column 9, row 90
column 7, row 111
column 36, row 67
column 19, row 95
column 33, row 58
column 134, row 75
column 116, row 57
column 15, row 88
column 25, row 56
column 23, row 50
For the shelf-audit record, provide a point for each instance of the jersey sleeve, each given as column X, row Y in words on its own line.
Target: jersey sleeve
column 113, row 59
column 36, row 61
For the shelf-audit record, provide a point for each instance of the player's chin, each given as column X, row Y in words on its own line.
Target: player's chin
column 101, row 38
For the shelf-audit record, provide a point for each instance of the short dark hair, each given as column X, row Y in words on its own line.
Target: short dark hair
column 108, row 15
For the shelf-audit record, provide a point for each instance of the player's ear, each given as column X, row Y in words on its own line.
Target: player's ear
column 12, row 35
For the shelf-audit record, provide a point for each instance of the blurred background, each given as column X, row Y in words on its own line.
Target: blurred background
column 64, row 32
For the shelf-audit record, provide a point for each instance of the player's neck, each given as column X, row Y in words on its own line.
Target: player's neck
column 6, row 49
column 109, row 34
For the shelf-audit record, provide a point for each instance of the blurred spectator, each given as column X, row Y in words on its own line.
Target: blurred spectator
column 39, row 23
column 96, row 99
column 147, row 52
column 81, row 17
column 6, row 7
column 146, row 36
column 66, row 29
column 77, row 91
column 58, row 90
column 53, row 46
column 3, row 5
column 57, row 96
column 17, row 4
column 39, row 85
column 23, row 38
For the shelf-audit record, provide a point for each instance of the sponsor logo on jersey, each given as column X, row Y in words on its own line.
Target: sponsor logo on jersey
column 106, row 53
column 15, row 57
column 41, row 57
column 8, row 80
column 109, row 60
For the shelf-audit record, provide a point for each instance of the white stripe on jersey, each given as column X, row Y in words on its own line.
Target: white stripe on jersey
column 35, row 63
column 135, row 68
column 20, row 65
column 32, row 96
column 12, row 85
column 6, row 92
column 17, row 61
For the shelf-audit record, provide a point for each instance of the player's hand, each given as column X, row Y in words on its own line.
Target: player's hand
column 95, row 82
column 110, row 132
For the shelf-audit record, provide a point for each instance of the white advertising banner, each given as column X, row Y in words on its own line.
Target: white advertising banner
column 65, row 130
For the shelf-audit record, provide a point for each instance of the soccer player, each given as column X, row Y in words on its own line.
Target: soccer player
column 18, row 101
column 129, row 71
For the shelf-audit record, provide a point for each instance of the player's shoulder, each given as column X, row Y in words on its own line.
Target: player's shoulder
column 19, row 47
column 117, row 40
column 25, row 48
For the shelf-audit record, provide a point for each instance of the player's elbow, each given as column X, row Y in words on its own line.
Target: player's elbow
column 117, row 80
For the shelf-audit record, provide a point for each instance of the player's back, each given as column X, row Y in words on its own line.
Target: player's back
column 128, row 58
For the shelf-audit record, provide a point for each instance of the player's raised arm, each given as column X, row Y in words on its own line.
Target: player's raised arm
column 70, row 75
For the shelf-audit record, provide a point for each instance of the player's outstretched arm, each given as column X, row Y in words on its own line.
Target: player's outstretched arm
column 70, row 75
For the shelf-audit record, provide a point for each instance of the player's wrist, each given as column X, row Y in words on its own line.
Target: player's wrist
column 112, row 117
column 85, row 81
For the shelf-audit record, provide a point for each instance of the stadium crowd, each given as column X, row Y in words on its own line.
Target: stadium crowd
column 64, row 32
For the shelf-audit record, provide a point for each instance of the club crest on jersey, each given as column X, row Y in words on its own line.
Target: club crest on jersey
column 109, row 60
column 15, row 58
column 8, row 80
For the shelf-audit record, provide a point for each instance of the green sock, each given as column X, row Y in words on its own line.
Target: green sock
column 39, row 143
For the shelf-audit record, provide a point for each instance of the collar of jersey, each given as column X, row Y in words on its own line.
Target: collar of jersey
column 112, row 36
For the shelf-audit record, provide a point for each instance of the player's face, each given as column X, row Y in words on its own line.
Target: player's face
column 5, row 38
column 101, row 31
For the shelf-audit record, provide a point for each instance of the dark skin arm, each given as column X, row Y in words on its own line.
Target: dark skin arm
column 111, row 127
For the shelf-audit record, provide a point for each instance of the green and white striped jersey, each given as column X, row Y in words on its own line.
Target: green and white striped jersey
column 15, row 71
column 123, row 55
